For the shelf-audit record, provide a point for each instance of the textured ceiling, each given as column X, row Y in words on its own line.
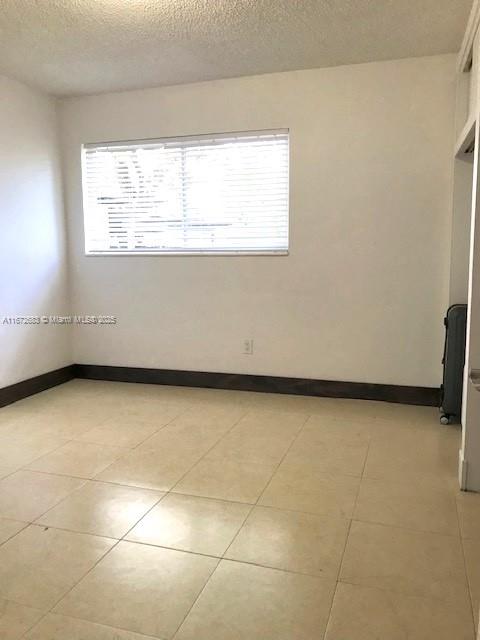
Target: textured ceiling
column 70, row 47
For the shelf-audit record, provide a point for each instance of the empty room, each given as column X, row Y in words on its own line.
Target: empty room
column 239, row 320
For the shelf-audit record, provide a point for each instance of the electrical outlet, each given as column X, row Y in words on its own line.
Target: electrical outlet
column 248, row 347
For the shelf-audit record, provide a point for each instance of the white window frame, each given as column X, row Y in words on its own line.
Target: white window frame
column 186, row 253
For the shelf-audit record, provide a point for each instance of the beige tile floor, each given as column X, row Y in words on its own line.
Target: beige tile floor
column 130, row 512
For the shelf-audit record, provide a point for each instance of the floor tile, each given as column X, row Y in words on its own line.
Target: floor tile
column 26, row 495
column 303, row 488
column 8, row 528
column 190, row 523
column 101, row 509
column 212, row 397
column 407, row 413
column 215, row 418
column 9, row 415
column 362, row 613
column 51, row 422
column 16, row 451
column 306, row 405
column 472, row 562
column 407, row 505
column 226, row 480
column 275, row 423
column 320, row 427
column 291, row 541
column 57, row 627
column 469, row 514
column 243, row 601
column 140, row 588
column 122, row 431
column 427, row 458
column 368, row 410
column 225, row 397
column 78, row 459
column 150, row 468
column 7, row 470
column 247, row 447
column 218, row 452
column 181, row 440
column 16, row 619
column 149, row 407
column 329, row 454
column 38, row 566
column 346, row 410
column 405, row 561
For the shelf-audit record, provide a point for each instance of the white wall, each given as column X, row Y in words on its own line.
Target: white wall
column 466, row 96
column 363, row 293
column 462, row 211
column 33, row 277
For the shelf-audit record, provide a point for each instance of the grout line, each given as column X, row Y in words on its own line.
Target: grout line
column 340, row 564
column 26, row 524
column 329, row 616
column 167, row 424
column 117, row 541
column 50, row 610
column 94, row 624
column 25, row 467
column 404, row 528
column 238, row 531
column 11, row 473
column 126, row 452
column 97, row 480
column 362, row 475
column 85, row 575
column 167, row 548
column 151, row 436
column 69, row 494
column 337, row 580
column 449, row 602
column 176, row 493
column 143, row 516
column 236, row 560
column 57, row 475
column 281, row 569
column 464, row 555
column 36, row 521
column 294, row 439
column 196, row 600
column 253, row 564
column 452, row 536
column 192, row 495
column 46, row 527
column 27, row 631
column 452, row 602
column 219, row 562
column 210, row 449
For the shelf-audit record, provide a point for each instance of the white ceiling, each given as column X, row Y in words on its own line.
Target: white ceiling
column 70, row 47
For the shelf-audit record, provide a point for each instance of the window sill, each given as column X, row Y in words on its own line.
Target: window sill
column 166, row 254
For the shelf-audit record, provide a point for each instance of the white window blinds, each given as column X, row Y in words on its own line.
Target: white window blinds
column 212, row 194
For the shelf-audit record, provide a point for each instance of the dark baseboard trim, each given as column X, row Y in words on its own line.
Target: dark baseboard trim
column 426, row 396
column 34, row 385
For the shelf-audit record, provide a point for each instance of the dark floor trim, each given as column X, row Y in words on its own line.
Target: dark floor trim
column 30, row 386
column 426, row 396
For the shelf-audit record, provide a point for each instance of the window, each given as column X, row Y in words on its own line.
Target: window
column 217, row 194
